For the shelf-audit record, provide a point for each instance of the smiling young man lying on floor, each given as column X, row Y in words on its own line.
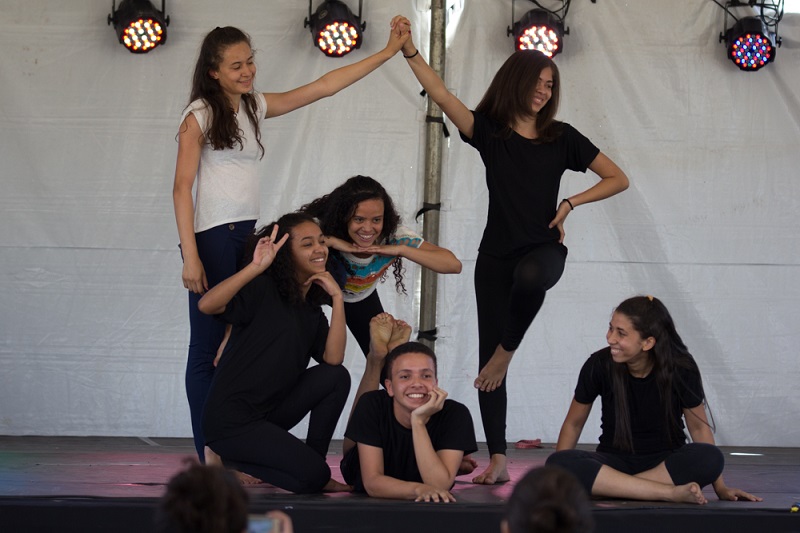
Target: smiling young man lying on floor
column 407, row 441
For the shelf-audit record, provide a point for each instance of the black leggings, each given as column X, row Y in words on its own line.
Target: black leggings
column 358, row 315
column 509, row 293
column 697, row 461
column 269, row 452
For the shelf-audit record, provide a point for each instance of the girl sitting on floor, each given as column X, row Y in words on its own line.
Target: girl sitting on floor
column 649, row 384
column 263, row 386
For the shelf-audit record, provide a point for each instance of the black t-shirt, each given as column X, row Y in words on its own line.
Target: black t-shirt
column 373, row 423
column 271, row 344
column 649, row 430
column 523, row 178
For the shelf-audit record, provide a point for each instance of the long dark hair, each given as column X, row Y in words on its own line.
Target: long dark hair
column 650, row 318
column 509, row 95
column 283, row 269
column 549, row 500
column 223, row 131
column 335, row 209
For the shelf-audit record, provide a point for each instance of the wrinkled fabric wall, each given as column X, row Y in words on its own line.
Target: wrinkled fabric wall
column 94, row 325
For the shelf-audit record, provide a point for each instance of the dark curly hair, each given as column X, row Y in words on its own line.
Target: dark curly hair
column 509, row 94
column 334, row 211
column 283, row 268
column 223, row 131
column 650, row 318
column 202, row 499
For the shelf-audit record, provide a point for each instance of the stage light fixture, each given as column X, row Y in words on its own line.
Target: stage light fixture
column 750, row 44
column 752, row 41
column 140, row 27
column 334, row 28
column 539, row 30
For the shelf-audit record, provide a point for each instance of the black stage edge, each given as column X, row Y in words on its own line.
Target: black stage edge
column 100, row 484
column 135, row 515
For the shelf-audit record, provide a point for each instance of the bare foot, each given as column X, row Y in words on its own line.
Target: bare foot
column 496, row 472
column 689, row 493
column 467, row 466
column 401, row 333
column 212, row 459
column 334, row 486
column 246, row 479
column 492, row 375
column 380, row 333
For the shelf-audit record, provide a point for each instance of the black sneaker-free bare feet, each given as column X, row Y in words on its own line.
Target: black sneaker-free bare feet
column 491, row 376
column 401, row 333
column 496, row 472
column 467, row 466
column 380, row 333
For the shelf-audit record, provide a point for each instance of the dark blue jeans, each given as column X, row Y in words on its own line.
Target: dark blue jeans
column 220, row 249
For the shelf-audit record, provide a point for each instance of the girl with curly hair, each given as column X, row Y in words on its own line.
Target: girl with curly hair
column 363, row 230
column 263, row 386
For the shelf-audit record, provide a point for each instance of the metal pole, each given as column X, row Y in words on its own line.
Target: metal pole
column 433, row 174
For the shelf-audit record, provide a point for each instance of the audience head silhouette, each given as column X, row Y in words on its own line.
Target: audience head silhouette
column 548, row 500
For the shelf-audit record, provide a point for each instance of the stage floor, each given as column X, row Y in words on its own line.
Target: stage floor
column 104, row 484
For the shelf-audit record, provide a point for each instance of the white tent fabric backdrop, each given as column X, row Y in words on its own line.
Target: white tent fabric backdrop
column 93, row 322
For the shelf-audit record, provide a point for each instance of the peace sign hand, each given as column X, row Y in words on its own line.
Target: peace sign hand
column 267, row 248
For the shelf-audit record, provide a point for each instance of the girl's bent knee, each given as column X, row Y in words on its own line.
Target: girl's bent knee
column 315, row 481
column 712, row 464
column 341, row 376
column 699, row 462
column 564, row 458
